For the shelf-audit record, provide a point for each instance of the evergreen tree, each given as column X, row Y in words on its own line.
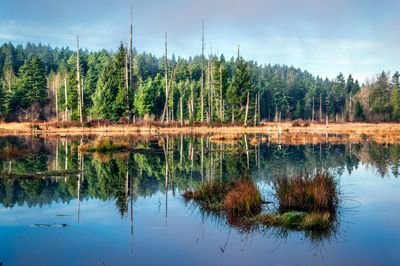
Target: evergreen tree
column 32, row 83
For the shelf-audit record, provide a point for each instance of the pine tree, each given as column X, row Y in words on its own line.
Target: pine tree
column 241, row 85
column 32, row 83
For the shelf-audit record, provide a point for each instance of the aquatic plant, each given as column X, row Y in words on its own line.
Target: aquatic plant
column 307, row 193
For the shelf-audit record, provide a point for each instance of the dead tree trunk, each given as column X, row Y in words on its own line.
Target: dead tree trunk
column 165, row 111
column 255, row 111
column 66, row 98
column 247, row 109
column 202, row 72
column 166, row 79
column 79, row 80
column 220, row 92
column 181, row 111
column 130, row 69
column 128, row 110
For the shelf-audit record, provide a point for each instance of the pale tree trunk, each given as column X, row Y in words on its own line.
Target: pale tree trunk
column 79, row 80
column 181, row 111
column 165, row 111
column 57, row 83
column 128, row 110
column 247, row 110
column 66, row 98
column 209, row 90
column 166, row 80
column 220, row 91
column 255, row 111
column 202, row 72
column 130, row 70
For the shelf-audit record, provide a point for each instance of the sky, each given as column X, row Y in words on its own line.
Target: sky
column 324, row 37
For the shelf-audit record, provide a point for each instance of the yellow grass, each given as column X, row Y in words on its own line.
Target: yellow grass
column 314, row 133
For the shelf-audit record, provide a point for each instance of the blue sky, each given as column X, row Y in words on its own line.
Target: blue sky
column 324, row 37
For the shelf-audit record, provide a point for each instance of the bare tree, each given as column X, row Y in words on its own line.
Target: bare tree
column 202, row 72
column 247, row 109
column 165, row 110
column 128, row 110
column 166, row 79
column 66, row 97
column 130, row 70
column 9, row 78
column 79, row 80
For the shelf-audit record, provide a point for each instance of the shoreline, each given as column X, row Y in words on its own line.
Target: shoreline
column 285, row 132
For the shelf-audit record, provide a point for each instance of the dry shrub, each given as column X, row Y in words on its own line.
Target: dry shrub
column 307, row 193
column 243, row 199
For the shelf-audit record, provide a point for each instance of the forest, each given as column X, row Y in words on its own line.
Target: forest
column 40, row 83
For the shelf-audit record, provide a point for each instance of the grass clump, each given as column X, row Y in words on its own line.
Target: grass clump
column 104, row 145
column 296, row 220
column 243, row 199
column 235, row 198
column 307, row 193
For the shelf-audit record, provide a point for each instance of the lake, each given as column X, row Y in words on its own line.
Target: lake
column 126, row 208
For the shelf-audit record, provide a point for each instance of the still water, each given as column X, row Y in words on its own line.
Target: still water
column 127, row 208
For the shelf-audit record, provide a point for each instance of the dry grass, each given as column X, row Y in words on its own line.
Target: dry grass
column 236, row 198
column 307, row 193
column 243, row 199
column 349, row 132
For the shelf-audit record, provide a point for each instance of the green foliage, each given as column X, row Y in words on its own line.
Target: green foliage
column 31, row 84
column 289, row 92
column 358, row 111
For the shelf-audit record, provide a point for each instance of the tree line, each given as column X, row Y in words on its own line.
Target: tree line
column 41, row 83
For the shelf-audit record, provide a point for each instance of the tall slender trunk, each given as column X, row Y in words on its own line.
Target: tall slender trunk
column 255, row 111
column 128, row 110
column 220, row 91
column 165, row 110
column 202, row 72
column 166, row 78
column 181, row 111
column 208, row 91
column 130, row 69
column 79, row 80
column 247, row 109
column 56, row 95
column 66, row 98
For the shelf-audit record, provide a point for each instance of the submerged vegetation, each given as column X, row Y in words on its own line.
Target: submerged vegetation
column 105, row 145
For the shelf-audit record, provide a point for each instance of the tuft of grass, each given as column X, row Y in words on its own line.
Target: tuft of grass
column 243, row 199
column 105, row 145
column 296, row 220
column 307, row 193
column 317, row 220
column 236, row 198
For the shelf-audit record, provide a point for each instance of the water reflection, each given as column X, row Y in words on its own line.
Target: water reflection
column 169, row 165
